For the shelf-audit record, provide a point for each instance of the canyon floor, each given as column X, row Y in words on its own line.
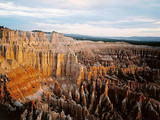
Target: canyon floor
column 48, row 76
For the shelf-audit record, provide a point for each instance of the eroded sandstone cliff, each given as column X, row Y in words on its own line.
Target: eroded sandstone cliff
column 50, row 76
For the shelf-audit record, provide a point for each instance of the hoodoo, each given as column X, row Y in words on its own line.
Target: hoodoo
column 50, row 76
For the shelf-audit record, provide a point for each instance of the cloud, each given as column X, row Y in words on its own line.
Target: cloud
column 75, row 4
column 158, row 22
column 136, row 22
column 98, row 4
column 92, row 17
column 86, row 29
column 83, row 4
column 12, row 9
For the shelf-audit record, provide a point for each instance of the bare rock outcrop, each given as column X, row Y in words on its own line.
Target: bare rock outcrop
column 50, row 76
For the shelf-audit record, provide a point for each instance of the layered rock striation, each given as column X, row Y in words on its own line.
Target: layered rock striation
column 51, row 76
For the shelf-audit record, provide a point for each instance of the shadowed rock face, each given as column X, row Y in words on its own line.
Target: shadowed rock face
column 50, row 76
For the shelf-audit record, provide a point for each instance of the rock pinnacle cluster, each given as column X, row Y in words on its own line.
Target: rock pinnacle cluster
column 48, row 76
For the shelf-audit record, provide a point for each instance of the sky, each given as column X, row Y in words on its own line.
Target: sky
column 105, row 18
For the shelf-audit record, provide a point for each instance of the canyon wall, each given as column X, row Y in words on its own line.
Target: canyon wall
column 36, row 50
column 51, row 76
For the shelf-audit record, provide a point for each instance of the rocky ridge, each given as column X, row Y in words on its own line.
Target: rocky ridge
column 50, row 76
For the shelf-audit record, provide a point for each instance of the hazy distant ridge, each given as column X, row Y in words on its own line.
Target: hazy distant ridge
column 136, row 38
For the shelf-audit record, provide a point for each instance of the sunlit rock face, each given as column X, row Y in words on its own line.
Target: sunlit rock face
column 51, row 76
column 37, row 50
column 19, row 82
